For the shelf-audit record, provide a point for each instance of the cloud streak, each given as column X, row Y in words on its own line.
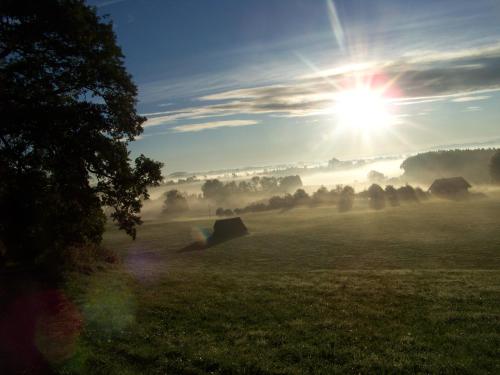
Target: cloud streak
column 212, row 125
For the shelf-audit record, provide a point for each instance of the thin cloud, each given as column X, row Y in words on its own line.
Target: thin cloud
column 470, row 98
column 109, row 2
column 212, row 125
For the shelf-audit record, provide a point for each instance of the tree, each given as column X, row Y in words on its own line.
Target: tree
column 290, row 183
column 300, row 197
column 377, row 197
column 175, row 202
column 213, row 189
column 68, row 110
column 346, row 199
column 407, row 194
column 392, row 195
column 495, row 167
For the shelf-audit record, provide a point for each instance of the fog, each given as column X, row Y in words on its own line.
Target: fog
column 356, row 177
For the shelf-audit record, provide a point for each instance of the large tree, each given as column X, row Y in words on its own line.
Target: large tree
column 68, row 112
column 495, row 167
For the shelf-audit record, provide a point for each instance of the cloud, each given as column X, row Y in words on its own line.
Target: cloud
column 108, row 2
column 470, row 98
column 212, row 125
column 473, row 109
column 420, row 77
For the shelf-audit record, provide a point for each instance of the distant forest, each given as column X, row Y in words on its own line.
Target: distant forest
column 473, row 165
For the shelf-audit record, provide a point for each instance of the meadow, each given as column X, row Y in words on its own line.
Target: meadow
column 410, row 289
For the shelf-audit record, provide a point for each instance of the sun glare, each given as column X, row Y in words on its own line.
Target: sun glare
column 363, row 108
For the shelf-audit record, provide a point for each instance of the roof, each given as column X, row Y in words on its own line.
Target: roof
column 454, row 183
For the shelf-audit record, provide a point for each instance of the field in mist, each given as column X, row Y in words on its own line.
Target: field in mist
column 409, row 289
column 357, row 177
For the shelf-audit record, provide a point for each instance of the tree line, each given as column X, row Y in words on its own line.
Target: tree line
column 343, row 197
column 474, row 165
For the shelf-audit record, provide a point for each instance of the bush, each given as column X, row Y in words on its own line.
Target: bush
column 87, row 258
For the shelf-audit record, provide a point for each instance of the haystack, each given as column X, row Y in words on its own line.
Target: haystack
column 225, row 229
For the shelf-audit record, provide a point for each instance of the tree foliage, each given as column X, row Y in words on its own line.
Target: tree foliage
column 68, row 110
column 175, row 202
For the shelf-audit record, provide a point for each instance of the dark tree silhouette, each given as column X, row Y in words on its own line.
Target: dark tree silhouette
column 68, row 111
column 290, row 183
column 407, row 194
column 175, row 202
column 495, row 167
column 301, row 197
column 377, row 197
column 213, row 189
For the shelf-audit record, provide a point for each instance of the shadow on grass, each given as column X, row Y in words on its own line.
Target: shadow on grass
column 199, row 246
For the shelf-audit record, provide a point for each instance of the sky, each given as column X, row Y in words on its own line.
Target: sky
column 233, row 83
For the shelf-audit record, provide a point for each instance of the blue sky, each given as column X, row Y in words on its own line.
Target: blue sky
column 228, row 83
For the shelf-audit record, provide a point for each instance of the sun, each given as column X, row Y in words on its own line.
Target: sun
column 364, row 109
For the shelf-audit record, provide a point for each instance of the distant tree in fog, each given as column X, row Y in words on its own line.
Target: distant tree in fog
column 245, row 187
column 407, row 194
column 175, row 202
column 495, row 167
column 300, row 197
column 268, row 183
column 392, row 195
column 290, row 183
column 377, row 197
column 213, row 189
column 421, row 195
column 346, row 199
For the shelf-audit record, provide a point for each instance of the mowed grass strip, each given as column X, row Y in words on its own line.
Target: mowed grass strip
column 412, row 289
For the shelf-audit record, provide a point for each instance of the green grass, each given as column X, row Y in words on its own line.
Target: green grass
column 412, row 289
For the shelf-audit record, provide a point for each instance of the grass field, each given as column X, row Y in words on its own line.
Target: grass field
column 412, row 289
